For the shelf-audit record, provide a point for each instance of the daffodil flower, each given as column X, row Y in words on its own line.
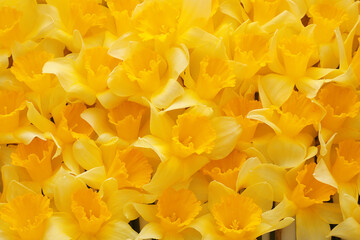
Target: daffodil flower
column 21, row 21
column 84, row 76
column 239, row 216
column 87, row 214
column 82, row 16
column 149, row 73
column 349, row 228
column 25, row 217
column 289, row 123
column 300, row 194
column 340, row 169
column 195, row 138
column 293, row 57
column 174, row 211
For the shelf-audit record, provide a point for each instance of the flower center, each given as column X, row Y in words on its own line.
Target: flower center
column 177, row 209
column 9, row 25
column 90, row 211
column 193, row 133
column 86, row 14
column 296, row 52
column 98, row 65
column 226, row 170
column 27, row 215
column 36, row 158
column 310, row 191
column 127, row 119
column 11, row 103
column 130, row 168
column 237, row 215
column 250, row 47
column 346, row 100
column 146, row 67
column 73, row 121
column 28, row 69
column 214, row 75
column 156, row 19
column 327, row 15
column 298, row 112
column 347, row 163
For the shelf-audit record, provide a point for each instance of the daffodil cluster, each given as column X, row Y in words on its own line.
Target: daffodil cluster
column 200, row 119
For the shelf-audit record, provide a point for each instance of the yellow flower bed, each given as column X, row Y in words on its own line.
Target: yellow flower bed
column 179, row 119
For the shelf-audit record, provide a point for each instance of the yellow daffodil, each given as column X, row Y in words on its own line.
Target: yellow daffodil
column 179, row 119
column 304, row 196
column 226, row 170
column 145, row 72
column 338, row 111
column 88, row 17
column 239, row 216
column 239, row 107
column 25, row 217
column 90, row 214
column 36, row 158
column 349, row 228
column 86, row 75
column 174, row 211
column 21, row 21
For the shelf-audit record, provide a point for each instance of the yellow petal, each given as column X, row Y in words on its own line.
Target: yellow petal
column 227, row 133
column 309, row 225
column 62, row 226
column 157, row 145
column 194, row 14
column 116, row 229
column 70, row 79
column 65, row 187
column 165, row 96
column 94, row 177
column 16, row 189
column 87, row 154
column 261, row 193
column 275, row 89
column 286, row 152
column 348, row 229
column 151, row 230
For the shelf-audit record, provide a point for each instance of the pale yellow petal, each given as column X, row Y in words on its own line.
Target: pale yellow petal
column 62, row 226
column 218, row 191
column 348, row 229
column 116, row 230
column 261, row 193
column 94, row 177
column 87, row 154
column 227, row 132
column 283, row 210
column 286, row 152
column 98, row 120
column 330, row 212
column 65, row 187
column 323, row 174
column 165, row 96
column 39, row 121
column 15, row 189
column 194, row 14
column 310, row 226
column 70, row 79
column 159, row 146
column 151, row 230
column 275, row 89
column 160, row 124
column 147, row 212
